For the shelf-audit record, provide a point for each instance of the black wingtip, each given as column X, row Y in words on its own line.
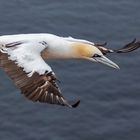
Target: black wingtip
column 133, row 41
column 133, row 45
column 76, row 104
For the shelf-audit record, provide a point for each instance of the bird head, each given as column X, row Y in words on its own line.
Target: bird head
column 93, row 53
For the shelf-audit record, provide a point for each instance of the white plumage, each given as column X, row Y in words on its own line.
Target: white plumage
column 22, row 58
column 28, row 54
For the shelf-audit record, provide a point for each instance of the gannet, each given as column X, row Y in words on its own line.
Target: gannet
column 23, row 57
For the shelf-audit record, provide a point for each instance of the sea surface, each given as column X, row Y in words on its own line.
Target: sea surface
column 110, row 99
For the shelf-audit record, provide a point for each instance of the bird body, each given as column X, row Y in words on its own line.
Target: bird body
column 57, row 47
column 51, row 41
column 22, row 58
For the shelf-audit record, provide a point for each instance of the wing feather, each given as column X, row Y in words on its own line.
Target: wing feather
column 133, row 45
column 41, row 88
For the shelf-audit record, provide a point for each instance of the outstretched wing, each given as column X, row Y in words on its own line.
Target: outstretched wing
column 127, row 48
column 36, row 83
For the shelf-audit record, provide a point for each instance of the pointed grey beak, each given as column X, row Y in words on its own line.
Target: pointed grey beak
column 106, row 61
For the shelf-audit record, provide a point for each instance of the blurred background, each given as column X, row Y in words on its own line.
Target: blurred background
column 110, row 99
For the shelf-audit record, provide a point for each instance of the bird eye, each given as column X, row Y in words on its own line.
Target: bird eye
column 96, row 55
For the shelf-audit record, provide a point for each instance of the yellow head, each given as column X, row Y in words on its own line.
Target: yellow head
column 92, row 53
column 83, row 50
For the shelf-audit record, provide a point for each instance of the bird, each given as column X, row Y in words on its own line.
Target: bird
column 23, row 57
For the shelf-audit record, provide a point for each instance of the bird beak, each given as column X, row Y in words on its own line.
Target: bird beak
column 106, row 61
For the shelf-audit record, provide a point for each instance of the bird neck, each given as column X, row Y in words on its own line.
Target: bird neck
column 71, row 50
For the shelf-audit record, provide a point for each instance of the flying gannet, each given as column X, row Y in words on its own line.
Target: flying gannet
column 22, row 58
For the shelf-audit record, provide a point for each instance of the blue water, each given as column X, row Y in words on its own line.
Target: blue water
column 110, row 99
